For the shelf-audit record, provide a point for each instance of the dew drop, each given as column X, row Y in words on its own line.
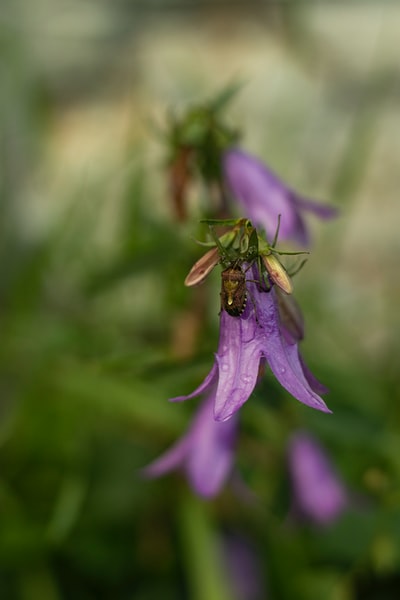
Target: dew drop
column 246, row 378
column 224, row 349
column 283, row 370
column 225, row 367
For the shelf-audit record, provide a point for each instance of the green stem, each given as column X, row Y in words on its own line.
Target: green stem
column 205, row 574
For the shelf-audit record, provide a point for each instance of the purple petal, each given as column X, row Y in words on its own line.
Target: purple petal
column 170, row 460
column 238, row 357
column 205, row 452
column 292, row 353
column 319, row 494
column 315, row 384
column 323, row 211
column 204, row 386
column 211, row 456
column 283, row 358
column 262, row 195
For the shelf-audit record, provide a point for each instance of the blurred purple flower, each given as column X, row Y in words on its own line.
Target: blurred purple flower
column 243, row 566
column 318, row 493
column 205, row 452
column 246, row 340
column 263, row 197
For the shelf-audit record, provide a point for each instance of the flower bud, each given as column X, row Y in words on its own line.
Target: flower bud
column 277, row 273
column 202, row 267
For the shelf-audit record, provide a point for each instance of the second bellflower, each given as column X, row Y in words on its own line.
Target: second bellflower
column 263, row 197
column 257, row 334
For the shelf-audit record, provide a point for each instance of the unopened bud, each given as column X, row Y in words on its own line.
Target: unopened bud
column 277, row 273
column 202, row 267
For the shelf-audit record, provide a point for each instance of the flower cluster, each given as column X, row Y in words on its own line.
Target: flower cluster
column 265, row 327
column 259, row 320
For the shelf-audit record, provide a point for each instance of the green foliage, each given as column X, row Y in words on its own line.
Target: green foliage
column 91, row 349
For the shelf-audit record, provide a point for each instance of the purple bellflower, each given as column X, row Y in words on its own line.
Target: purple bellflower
column 205, row 453
column 319, row 496
column 263, row 196
column 258, row 334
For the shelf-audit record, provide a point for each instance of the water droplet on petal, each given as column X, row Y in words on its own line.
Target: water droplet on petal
column 283, row 370
column 246, row 378
column 225, row 367
column 224, row 349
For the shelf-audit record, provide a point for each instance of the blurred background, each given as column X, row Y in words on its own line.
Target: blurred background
column 95, row 321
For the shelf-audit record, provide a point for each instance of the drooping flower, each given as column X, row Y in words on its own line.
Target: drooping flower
column 319, row 495
column 244, row 341
column 205, row 452
column 263, row 196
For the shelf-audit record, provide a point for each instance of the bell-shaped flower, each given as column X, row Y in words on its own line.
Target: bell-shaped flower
column 263, row 197
column 205, row 453
column 256, row 335
column 319, row 495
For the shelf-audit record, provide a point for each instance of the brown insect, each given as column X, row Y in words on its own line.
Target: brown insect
column 233, row 291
